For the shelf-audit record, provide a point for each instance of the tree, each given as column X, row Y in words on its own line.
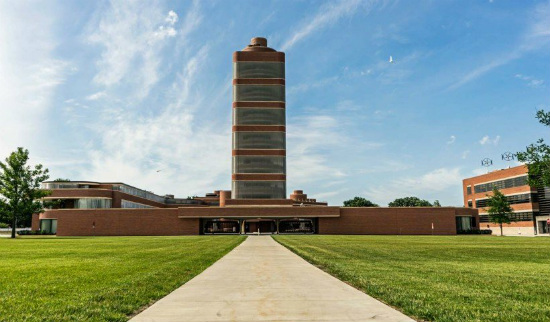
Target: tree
column 20, row 193
column 62, row 180
column 537, row 157
column 500, row 211
column 359, row 202
column 409, row 202
column 437, row 204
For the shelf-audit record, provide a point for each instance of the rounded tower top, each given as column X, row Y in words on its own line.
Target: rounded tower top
column 258, row 41
column 258, row 44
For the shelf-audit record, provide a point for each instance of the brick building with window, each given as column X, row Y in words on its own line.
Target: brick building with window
column 531, row 205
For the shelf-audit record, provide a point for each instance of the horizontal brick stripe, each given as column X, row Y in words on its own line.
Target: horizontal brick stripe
column 258, row 56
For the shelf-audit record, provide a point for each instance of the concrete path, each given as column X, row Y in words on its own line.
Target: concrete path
column 261, row 280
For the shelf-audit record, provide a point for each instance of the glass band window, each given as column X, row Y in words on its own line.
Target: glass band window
column 259, row 70
column 513, row 200
column 258, row 93
column 259, row 116
column 259, row 189
column 259, row 140
column 133, row 205
column 92, row 203
column 259, row 164
column 501, row 184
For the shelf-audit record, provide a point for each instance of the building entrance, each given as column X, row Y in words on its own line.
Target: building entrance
column 262, row 226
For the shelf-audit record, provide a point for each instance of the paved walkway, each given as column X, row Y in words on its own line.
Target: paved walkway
column 261, row 280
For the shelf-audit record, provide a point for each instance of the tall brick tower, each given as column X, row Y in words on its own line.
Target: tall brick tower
column 259, row 133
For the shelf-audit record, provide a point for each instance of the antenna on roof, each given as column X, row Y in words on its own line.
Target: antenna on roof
column 508, row 156
column 487, row 163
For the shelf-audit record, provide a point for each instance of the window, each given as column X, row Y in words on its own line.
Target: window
column 258, row 93
column 138, row 192
column 501, row 184
column 469, row 203
column 258, row 70
column 92, row 203
column 469, row 190
column 518, row 216
column 515, row 199
column 259, row 164
column 259, row 116
column 135, row 205
column 48, row 225
column 259, row 140
column 259, row 189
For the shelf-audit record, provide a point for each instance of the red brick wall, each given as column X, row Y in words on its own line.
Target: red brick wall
column 122, row 222
column 169, row 221
column 394, row 221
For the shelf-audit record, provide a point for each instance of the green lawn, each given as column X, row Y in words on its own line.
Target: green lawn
column 98, row 279
column 454, row 278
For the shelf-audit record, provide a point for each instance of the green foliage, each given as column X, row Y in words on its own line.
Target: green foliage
column 500, row 211
column 410, row 202
column 4, row 225
column 537, row 157
column 359, row 202
column 98, row 279
column 440, row 278
column 20, row 193
column 437, row 204
column 62, row 180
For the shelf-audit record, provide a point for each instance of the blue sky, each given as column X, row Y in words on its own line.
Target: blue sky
column 114, row 91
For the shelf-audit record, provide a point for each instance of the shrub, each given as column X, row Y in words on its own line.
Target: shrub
column 4, row 225
column 34, row 232
column 475, row 232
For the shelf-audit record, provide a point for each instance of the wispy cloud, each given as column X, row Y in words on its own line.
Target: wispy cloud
column 424, row 186
column 536, row 36
column 530, row 80
column 452, row 140
column 486, row 140
column 132, row 44
column 327, row 15
column 30, row 73
column 96, row 96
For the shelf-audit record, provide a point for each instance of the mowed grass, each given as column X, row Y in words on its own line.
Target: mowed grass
column 440, row 278
column 98, row 279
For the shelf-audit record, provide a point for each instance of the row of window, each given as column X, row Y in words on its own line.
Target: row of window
column 519, row 216
column 133, row 205
column 501, row 184
column 92, row 203
column 258, row 93
column 251, row 69
column 259, row 116
column 259, row 164
column 259, row 140
column 515, row 199
column 259, row 189
column 138, row 192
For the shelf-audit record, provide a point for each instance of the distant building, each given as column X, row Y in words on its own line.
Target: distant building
column 257, row 202
column 531, row 206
